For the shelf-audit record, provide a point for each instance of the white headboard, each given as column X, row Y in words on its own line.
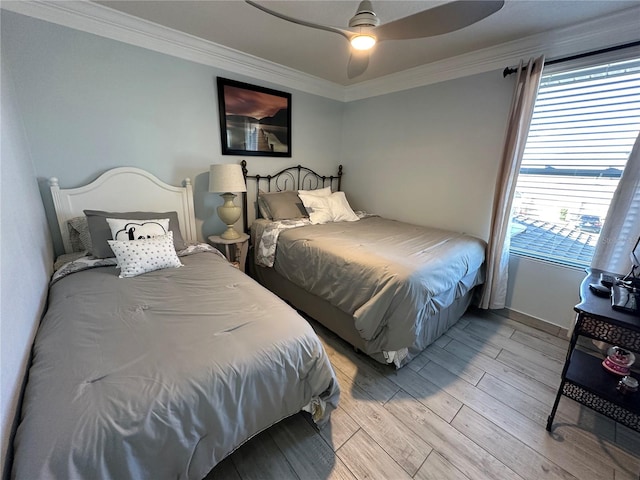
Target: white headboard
column 125, row 189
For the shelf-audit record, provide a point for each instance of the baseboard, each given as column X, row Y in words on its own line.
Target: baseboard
column 550, row 328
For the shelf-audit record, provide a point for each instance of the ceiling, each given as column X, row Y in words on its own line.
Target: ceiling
column 241, row 27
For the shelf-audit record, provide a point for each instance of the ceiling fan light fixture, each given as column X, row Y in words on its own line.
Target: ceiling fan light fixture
column 452, row 15
column 363, row 42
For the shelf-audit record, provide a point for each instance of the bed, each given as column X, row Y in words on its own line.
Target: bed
column 387, row 287
column 160, row 374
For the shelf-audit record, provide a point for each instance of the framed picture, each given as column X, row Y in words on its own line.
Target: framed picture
column 254, row 120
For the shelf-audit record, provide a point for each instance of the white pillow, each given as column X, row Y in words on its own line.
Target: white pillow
column 333, row 208
column 135, row 257
column 123, row 229
column 320, row 192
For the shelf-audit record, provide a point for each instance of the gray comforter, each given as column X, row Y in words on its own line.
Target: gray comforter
column 163, row 375
column 390, row 276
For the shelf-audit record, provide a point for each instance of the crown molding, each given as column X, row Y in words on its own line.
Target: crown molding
column 97, row 19
column 616, row 29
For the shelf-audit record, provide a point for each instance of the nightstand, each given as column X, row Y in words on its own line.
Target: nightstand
column 239, row 250
column 584, row 379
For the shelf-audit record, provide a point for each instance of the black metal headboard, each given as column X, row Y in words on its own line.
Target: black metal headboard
column 291, row 178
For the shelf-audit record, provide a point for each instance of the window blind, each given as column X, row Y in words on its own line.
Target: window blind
column 584, row 125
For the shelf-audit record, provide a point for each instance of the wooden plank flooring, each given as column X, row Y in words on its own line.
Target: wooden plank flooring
column 472, row 406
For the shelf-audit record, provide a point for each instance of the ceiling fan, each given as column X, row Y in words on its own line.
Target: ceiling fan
column 365, row 29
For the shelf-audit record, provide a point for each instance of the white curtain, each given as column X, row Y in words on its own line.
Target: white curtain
column 497, row 262
column 622, row 225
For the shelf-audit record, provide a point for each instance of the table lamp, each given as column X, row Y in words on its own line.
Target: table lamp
column 227, row 178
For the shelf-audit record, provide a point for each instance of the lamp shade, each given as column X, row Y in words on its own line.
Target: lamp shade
column 226, row 178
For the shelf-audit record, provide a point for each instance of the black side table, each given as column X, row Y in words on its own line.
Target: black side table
column 584, row 379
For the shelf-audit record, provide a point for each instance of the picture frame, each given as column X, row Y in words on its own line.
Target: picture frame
column 254, row 120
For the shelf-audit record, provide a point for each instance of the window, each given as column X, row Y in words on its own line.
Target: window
column 584, row 125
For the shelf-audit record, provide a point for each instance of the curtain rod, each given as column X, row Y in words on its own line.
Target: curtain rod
column 509, row 70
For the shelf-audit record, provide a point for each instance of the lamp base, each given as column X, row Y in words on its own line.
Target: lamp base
column 229, row 214
column 230, row 233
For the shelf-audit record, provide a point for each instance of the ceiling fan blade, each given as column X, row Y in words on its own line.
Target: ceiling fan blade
column 436, row 21
column 345, row 33
column 358, row 63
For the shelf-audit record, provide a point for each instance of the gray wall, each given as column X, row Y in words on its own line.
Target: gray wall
column 430, row 155
column 26, row 259
column 90, row 104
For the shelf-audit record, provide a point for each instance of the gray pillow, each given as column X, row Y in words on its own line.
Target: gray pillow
column 262, row 207
column 100, row 231
column 79, row 236
column 284, row 205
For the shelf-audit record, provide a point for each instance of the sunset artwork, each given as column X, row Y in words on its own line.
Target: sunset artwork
column 254, row 120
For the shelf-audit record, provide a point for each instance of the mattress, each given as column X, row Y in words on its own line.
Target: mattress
column 164, row 374
column 390, row 277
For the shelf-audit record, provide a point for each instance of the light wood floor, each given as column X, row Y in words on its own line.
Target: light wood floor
column 473, row 406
